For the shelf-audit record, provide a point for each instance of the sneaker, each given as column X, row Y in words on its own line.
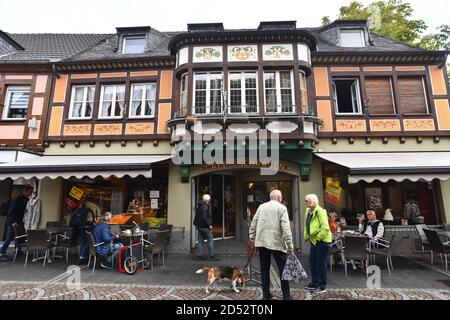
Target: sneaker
column 311, row 287
column 288, row 298
column 269, row 297
column 105, row 266
column 320, row 290
column 213, row 258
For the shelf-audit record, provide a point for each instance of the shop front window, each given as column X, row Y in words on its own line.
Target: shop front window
column 139, row 199
column 257, row 193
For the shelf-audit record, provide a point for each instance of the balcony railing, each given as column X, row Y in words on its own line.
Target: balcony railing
column 202, row 110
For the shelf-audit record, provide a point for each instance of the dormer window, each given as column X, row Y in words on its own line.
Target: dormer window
column 352, row 38
column 133, row 44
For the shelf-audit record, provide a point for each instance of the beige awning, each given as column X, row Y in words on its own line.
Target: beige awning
column 397, row 166
column 81, row 166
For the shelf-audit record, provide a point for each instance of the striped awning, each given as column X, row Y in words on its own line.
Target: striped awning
column 81, row 166
column 397, row 166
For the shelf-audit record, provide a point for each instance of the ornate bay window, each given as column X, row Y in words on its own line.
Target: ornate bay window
column 243, row 92
column 279, row 97
column 208, row 92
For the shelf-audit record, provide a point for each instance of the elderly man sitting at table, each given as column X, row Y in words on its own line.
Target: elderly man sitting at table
column 372, row 228
column 107, row 249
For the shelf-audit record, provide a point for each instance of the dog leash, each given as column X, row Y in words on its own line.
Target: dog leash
column 250, row 257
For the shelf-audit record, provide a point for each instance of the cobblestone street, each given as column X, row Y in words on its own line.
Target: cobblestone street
column 59, row 291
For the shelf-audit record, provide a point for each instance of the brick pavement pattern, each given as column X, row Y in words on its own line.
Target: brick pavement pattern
column 16, row 290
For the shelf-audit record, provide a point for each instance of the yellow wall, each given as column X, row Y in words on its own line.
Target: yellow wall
column 50, row 195
column 179, row 202
column 445, row 189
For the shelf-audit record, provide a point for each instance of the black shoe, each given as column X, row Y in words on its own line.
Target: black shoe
column 19, row 253
column 288, row 298
column 269, row 297
column 311, row 287
column 320, row 290
column 213, row 258
column 201, row 258
column 83, row 262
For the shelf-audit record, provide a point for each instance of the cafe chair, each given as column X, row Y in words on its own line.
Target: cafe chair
column 68, row 242
column 168, row 227
column 157, row 246
column 355, row 249
column 437, row 245
column 93, row 251
column 38, row 242
column 383, row 247
column 20, row 239
column 337, row 247
column 424, row 243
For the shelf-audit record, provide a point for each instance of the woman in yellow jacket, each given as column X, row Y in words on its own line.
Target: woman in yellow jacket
column 317, row 231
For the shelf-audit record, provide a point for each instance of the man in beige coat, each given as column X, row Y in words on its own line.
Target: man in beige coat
column 271, row 232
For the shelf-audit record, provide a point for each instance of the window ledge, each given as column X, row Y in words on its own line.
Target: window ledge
column 78, row 119
column 350, row 115
column 14, row 120
column 141, row 118
column 417, row 115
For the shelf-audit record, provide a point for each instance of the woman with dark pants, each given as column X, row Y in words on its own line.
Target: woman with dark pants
column 317, row 231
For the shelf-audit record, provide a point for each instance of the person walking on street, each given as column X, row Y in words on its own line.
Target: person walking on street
column 317, row 231
column 271, row 232
column 14, row 217
column 202, row 222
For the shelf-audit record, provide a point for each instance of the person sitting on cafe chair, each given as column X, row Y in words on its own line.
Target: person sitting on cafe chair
column 372, row 228
column 102, row 234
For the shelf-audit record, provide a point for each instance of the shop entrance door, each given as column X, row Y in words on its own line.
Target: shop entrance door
column 222, row 189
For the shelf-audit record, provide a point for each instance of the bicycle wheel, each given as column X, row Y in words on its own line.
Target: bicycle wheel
column 130, row 265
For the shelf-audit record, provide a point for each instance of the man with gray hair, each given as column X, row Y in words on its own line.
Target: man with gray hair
column 203, row 223
column 271, row 231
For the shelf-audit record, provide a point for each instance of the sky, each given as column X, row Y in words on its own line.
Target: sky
column 103, row 16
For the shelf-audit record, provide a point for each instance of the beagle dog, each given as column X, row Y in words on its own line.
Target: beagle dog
column 233, row 274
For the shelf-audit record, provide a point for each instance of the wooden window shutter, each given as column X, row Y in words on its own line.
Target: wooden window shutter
column 412, row 95
column 379, row 93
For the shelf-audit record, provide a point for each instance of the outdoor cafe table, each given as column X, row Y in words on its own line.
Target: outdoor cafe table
column 52, row 231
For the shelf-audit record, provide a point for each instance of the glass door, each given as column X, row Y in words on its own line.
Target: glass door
column 222, row 189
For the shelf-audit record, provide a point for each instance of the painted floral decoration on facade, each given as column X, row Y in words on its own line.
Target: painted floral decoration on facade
column 139, row 128
column 381, row 125
column 242, row 53
column 277, row 51
column 208, row 53
column 108, row 129
column 77, row 130
column 351, row 126
column 419, row 124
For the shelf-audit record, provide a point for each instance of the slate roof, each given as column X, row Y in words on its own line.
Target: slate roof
column 50, row 46
column 96, row 47
column 380, row 44
column 107, row 49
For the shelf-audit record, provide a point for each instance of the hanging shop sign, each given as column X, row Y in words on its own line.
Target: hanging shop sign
column 332, row 190
column 76, row 193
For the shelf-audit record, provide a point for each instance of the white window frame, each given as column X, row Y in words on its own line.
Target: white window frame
column 358, row 97
column 424, row 95
column 143, row 100
column 113, row 101
column 278, row 92
column 243, row 89
column 184, row 92
column 6, row 108
column 124, row 43
column 361, row 32
column 208, row 93
column 83, row 106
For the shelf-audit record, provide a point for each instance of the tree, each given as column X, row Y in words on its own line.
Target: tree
column 393, row 19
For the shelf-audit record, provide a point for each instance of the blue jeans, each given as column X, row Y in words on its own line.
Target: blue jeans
column 10, row 236
column 84, row 250
column 115, row 251
column 205, row 234
column 318, row 258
